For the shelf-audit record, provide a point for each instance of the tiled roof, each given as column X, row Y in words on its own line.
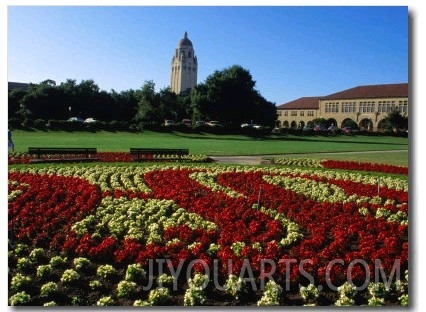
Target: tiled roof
column 371, row 91
column 311, row 102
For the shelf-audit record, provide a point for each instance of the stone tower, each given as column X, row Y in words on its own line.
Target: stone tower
column 184, row 66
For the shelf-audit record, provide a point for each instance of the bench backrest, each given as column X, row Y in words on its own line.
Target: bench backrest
column 160, row 151
column 61, row 150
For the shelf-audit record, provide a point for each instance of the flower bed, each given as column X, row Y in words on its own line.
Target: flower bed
column 24, row 158
column 341, row 164
column 242, row 227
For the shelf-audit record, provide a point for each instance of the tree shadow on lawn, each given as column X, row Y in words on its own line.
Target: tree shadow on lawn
column 283, row 139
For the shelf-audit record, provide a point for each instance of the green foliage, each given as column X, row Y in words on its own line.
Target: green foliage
column 403, row 300
column 37, row 254
column 272, row 294
column 165, row 279
column 230, row 96
column 70, row 276
column 105, row 271
column 309, row 293
column 235, row 286
column 95, row 284
column 195, row 295
column 159, row 296
column 134, row 272
column 58, row 262
column 19, row 299
column 395, row 120
column 48, row 289
column 81, row 263
column 24, row 263
column 19, row 281
column 126, row 289
column 105, row 301
column 44, row 271
column 346, row 295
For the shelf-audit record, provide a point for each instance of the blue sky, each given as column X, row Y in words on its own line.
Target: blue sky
column 290, row 51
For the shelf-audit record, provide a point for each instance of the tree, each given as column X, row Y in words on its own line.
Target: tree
column 230, row 96
column 395, row 121
column 147, row 103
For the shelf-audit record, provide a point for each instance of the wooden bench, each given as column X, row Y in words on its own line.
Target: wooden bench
column 150, row 153
column 86, row 152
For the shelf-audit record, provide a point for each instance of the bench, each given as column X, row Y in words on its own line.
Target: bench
column 150, row 153
column 84, row 154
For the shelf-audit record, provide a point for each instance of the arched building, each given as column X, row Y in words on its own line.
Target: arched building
column 366, row 105
column 184, row 66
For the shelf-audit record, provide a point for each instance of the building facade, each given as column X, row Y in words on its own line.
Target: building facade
column 184, row 66
column 368, row 106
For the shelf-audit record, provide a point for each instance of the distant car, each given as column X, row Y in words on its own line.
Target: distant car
column 187, row 122
column 247, row 125
column 215, row 123
column 169, row 122
column 308, row 128
column 347, row 130
column 76, row 119
column 90, row 120
column 200, row 123
column 320, row 128
column 332, row 128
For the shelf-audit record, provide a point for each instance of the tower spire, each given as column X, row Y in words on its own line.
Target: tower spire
column 184, row 66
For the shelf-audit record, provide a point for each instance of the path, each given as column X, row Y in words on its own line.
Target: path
column 264, row 159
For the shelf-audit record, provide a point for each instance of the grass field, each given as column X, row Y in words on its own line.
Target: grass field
column 214, row 145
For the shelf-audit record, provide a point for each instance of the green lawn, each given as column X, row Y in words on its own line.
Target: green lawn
column 214, row 145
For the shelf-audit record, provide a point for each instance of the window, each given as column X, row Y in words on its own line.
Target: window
column 279, row 113
column 293, row 113
column 286, row 113
column 302, row 113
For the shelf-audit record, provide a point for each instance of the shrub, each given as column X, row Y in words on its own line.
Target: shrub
column 105, row 301
column 194, row 295
column 37, row 254
column 105, row 271
column 19, row 281
column 159, row 296
column 40, row 124
column 24, row 264
column 165, row 279
column 134, row 272
column 309, row 293
column 81, row 263
column 272, row 295
column 48, row 289
column 125, row 289
column 44, row 271
column 19, row 299
column 58, row 262
column 70, row 276
column 235, row 286
column 95, row 284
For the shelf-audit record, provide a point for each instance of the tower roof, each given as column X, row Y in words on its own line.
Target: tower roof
column 185, row 41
